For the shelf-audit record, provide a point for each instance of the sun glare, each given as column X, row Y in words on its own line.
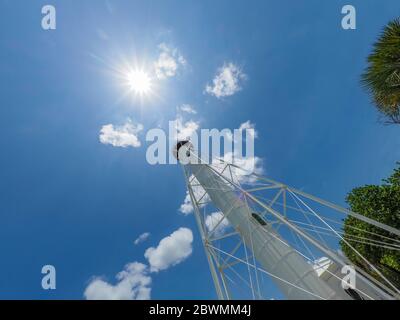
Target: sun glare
column 139, row 82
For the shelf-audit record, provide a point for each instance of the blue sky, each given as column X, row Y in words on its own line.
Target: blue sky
column 68, row 200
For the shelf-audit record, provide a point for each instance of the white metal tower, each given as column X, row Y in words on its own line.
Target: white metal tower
column 255, row 230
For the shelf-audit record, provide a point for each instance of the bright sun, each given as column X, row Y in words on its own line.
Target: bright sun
column 139, row 82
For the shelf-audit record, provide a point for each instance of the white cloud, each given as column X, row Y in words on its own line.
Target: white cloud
column 227, row 82
column 171, row 250
column 249, row 126
column 142, row 238
column 212, row 221
column 121, row 136
column 248, row 165
column 133, row 284
column 198, row 192
column 168, row 62
column 186, row 207
column 185, row 128
column 187, row 108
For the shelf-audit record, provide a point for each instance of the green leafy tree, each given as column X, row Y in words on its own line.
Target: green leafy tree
column 382, row 76
column 381, row 203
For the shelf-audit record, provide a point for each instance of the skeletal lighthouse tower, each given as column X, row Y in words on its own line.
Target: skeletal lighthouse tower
column 261, row 236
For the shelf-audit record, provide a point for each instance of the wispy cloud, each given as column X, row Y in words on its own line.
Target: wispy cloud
column 122, row 136
column 133, row 283
column 168, row 62
column 142, row 238
column 103, row 35
column 171, row 250
column 227, row 81
column 187, row 108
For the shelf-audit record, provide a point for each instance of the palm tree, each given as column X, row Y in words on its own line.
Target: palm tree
column 382, row 76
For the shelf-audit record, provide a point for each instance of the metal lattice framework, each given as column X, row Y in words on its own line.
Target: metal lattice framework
column 302, row 225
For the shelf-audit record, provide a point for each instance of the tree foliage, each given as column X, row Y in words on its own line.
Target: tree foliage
column 381, row 203
column 382, row 76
